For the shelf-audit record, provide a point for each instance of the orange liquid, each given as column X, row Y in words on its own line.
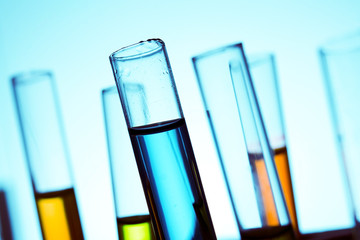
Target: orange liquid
column 266, row 193
column 59, row 217
column 283, row 170
column 265, row 198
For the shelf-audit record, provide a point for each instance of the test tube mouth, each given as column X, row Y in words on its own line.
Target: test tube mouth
column 344, row 45
column 259, row 58
column 216, row 51
column 110, row 89
column 31, row 77
column 138, row 50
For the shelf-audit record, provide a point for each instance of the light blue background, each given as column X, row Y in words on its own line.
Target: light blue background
column 74, row 40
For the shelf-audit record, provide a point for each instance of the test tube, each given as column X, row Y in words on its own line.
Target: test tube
column 161, row 142
column 242, row 145
column 340, row 62
column 264, row 77
column 132, row 214
column 47, row 155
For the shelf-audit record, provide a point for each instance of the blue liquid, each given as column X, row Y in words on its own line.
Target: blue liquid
column 171, row 181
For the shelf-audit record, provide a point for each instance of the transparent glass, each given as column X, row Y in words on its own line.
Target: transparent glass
column 47, row 155
column 340, row 59
column 161, row 142
column 132, row 214
column 264, row 77
column 242, row 144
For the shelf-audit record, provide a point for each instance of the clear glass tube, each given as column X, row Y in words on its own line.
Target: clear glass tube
column 264, row 77
column 340, row 59
column 132, row 214
column 161, row 142
column 47, row 155
column 242, row 144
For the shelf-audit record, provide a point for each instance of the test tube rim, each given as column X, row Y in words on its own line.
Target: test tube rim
column 345, row 44
column 216, row 51
column 31, row 77
column 118, row 57
column 109, row 89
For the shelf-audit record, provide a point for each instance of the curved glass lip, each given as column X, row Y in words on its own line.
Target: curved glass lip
column 217, row 50
column 31, row 77
column 345, row 44
column 134, row 51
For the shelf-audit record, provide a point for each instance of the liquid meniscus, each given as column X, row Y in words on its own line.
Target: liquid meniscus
column 59, row 215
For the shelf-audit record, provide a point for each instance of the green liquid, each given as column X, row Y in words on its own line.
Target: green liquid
column 135, row 228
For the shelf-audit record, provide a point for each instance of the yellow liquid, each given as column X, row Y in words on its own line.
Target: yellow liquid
column 283, row 170
column 59, row 217
column 135, row 228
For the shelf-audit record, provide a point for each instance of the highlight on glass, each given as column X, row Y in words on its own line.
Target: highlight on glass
column 161, row 142
column 340, row 61
column 132, row 214
column 47, row 155
column 264, row 78
column 242, row 145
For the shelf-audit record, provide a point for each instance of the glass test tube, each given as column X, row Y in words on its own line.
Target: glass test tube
column 161, row 142
column 340, row 59
column 47, row 155
column 264, row 77
column 132, row 214
column 242, row 144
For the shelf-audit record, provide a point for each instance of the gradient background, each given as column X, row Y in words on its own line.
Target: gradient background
column 74, row 40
